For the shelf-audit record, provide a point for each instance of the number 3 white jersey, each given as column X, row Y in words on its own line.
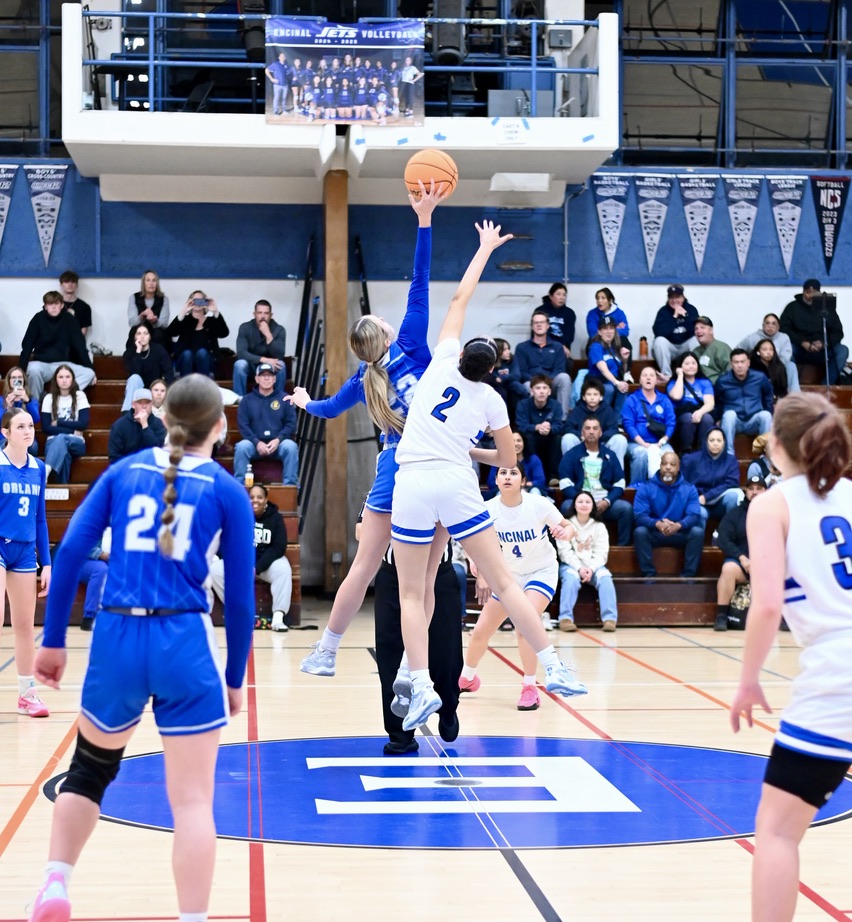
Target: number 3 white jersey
column 449, row 414
column 522, row 531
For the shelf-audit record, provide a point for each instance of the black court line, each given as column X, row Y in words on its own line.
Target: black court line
column 720, row 652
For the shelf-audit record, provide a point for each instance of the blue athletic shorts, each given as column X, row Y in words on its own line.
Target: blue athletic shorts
column 18, row 556
column 172, row 659
column 380, row 497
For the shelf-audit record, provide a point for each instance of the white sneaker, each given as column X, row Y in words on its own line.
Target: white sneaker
column 319, row 662
column 422, row 705
column 546, row 622
column 402, row 692
column 560, row 680
column 278, row 621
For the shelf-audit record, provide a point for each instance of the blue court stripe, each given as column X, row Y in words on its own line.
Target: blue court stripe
column 795, row 598
column 808, row 736
column 469, row 523
column 413, row 532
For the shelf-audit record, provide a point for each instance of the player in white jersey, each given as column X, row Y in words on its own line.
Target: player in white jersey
column 522, row 521
column 436, row 484
column 800, row 533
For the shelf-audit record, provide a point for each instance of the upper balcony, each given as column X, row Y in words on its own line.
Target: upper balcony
column 124, row 121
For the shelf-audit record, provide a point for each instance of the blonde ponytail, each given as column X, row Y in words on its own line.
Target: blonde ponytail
column 367, row 341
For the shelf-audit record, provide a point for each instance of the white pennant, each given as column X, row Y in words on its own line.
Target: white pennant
column 46, row 186
column 8, row 171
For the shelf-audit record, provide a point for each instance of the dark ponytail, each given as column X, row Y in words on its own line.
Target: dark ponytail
column 478, row 357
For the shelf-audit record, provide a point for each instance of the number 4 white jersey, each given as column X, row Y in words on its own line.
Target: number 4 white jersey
column 449, row 414
column 522, row 531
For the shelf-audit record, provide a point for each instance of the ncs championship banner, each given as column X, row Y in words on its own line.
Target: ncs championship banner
column 830, row 194
column 321, row 72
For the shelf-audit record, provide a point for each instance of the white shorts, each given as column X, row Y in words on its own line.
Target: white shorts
column 543, row 581
column 424, row 496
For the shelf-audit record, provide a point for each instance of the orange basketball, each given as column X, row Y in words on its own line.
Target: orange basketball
column 427, row 165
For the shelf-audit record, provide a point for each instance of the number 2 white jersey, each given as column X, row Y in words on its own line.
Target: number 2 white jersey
column 522, row 531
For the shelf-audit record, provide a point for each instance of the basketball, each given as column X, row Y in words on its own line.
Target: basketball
column 427, row 165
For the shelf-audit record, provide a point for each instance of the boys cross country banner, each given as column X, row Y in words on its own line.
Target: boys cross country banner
column 329, row 73
column 8, row 172
column 47, row 183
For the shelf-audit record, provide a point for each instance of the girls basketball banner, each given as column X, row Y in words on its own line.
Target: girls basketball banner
column 8, row 172
column 653, row 194
column 786, row 194
column 46, row 183
column 610, row 191
column 699, row 199
column 830, row 194
column 742, row 194
column 330, row 73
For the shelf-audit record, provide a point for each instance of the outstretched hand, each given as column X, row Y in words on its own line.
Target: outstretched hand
column 427, row 201
column 489, row 235
column 300, row 397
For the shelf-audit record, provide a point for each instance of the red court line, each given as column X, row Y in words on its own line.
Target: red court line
column 257, row 871
column 136, row 919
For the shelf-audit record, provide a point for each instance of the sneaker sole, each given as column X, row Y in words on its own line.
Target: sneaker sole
column 529, row 707
column 402, row 702
column 53, row 911
column 413, row 721
column 567, row 691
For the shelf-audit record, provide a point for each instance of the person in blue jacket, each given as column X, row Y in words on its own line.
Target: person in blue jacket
column 668, row 514
column 674, row 330
column 649, row 421
column 592, row 405
column 541, row 354
column 607, row 363
column 605, row 306
column 715, row 474
column 744, row 399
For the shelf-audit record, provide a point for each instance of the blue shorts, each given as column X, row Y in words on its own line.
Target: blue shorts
column 18, row 556
column 380, row 497
column 172, row 659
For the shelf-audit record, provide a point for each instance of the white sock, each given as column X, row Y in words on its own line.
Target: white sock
column 469, row 673
column 403, row 663
column 330, row 641
column 59, row 867
column 548, row 657
column 193, row 917
column 420, row 680
column 529, row 680
column 25, row 683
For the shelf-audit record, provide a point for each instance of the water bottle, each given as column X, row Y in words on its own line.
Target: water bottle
column 249, row 478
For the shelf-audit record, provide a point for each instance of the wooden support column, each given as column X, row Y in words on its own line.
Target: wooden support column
column 336, row 291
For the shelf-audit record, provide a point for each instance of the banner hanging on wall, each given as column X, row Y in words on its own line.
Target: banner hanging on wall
column 830, row 194
column 653, row 193
column 369, row 73
column 8, row 172
column 699, row 199
column 610, row 191
column 786, row 194
column 46, row 183
column 742, row 194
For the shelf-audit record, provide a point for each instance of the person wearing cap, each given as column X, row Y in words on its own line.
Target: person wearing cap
column 673, row 331
column 802, row 321
column 136, row 429
column 607, row 362
column 714, row 356
column 267, row 424
column 771, row 329
column 733, row 542
column 744, row 398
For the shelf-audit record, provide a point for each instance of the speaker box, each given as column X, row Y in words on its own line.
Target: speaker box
column 448, row 40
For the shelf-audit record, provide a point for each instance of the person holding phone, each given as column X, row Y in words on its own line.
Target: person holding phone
column 197, row 328
column 16, row 396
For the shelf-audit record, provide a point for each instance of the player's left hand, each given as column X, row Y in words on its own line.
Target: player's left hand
column 745, row 699
column 489, row 235
column 50, row 665
column 483, row 593
column 427, row 201
column 44, row 581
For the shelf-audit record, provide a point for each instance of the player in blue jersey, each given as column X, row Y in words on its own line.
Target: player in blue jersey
column 170, row 511
column 23, row 531
column 435, row 483
column 391, row 366
column 800, row 566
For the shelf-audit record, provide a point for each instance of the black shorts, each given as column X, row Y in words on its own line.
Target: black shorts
column 810, row 778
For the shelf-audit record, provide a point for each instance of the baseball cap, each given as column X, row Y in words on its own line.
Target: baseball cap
column 811, row 283
column 606, row 322
column 675, row 290
column 705, row 320
column 264, row 367
column 756, row 479
column 142, row 393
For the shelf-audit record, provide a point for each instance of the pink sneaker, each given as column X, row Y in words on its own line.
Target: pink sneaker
column 52, row 904
column 529, row 699
column 469, row 685
column 30, row 705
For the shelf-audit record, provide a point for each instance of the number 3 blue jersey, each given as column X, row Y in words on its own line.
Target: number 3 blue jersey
column 22, row 512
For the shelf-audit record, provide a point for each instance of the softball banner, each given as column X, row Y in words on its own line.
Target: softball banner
column 8, row 172
column 830, row 194
column 610, row 191
column 46, row 183
column 786, row 194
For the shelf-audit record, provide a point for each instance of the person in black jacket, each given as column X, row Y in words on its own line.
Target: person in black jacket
column 591, row 404
column 271, row 565
column 136, row 429
column 733, row 542
column 146, row 362
column 260, row 341
column 674, row 329
column 802, row 322
column 198, row 328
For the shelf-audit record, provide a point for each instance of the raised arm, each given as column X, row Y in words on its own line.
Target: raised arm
column 489, row 240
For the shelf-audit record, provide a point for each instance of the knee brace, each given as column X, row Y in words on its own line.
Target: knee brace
column 92, row 770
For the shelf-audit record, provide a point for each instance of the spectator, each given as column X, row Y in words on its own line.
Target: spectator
column 668, row 514
column 136, row 429
column 543, row 355
column 158, row 389
column 75, row 306
column 93, row 576
column 504, row 378
column 716, row 476
column 771, row 329
column 146, row 362
column 714, row 356
column 540, row 421
column 763, row 466
column 607, row 362
column 53, row 338
column 802, row 321
column 271, row 565
column 591, row 405
column 649, row 421
column 151, row 305
column 267, row 424
column 535, row 481
column 15, row 394
column 582, row 561
column 744, row 399
column 260, row 340
column 64, row 418
column 563, row 320
column 732, row 541
column 198, row 328
column 673, row 329
column 606, row 307
column 596, row 469
column 765, row 359
column 691, row 394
